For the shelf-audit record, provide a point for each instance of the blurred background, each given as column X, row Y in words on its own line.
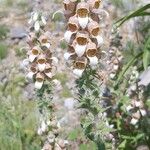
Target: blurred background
column 19, row 115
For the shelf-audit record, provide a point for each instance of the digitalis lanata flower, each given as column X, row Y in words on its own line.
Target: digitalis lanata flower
column 83, row 34
column 41, row 66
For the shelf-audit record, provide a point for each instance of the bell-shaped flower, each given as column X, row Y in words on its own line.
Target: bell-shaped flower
column 135, row 117
column 44, row 41
column 69, row 5
column 39, row 80
column 94, row 4
column 70, row 52
column 82, row 12
column 91, row 53
column 48, row 70
column 41, row 60
column 79, row 66
column 34, row 53
column 73, row 27
column 32, row 71
column 80, row 43
column 94, row 29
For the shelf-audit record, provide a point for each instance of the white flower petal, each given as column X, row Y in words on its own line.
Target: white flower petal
column 93, row 61
column 32, row 57
column 78, row 72
column 41, row 67
column 67, row 56
column 37, row 26
column 49, row 74
column 38, row 85
column 67, row 36
column 83, row 21
column 134, row 121
column 143, row 112
column 100, row 40
column 80, row 50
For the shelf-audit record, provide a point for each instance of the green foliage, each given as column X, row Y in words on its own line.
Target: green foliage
column 3, row 51
column 146, row 54
column 93, row 123
column 143, row 11
column 73, row 135
column 3, row 31
column 18, row 117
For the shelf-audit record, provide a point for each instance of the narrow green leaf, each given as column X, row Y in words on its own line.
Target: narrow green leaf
column 146, row 54
column 139, row 12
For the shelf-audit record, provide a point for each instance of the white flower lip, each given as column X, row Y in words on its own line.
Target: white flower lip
column 83, row 21
column 78, row 72
column 80, row 49
column 39, row 81
column 67, row 36
column 134, row 121
column 93, row 61
column 100, row 40
column 67, row 55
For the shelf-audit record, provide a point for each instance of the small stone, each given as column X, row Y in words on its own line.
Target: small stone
column 18, row 33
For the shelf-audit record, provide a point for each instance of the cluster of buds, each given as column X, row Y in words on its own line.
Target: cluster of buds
column 137, row 110
column 57, row 144
column 37, row 20
column 41, row 63
column 115, row 56
column 52, row 124
column 83, row 34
